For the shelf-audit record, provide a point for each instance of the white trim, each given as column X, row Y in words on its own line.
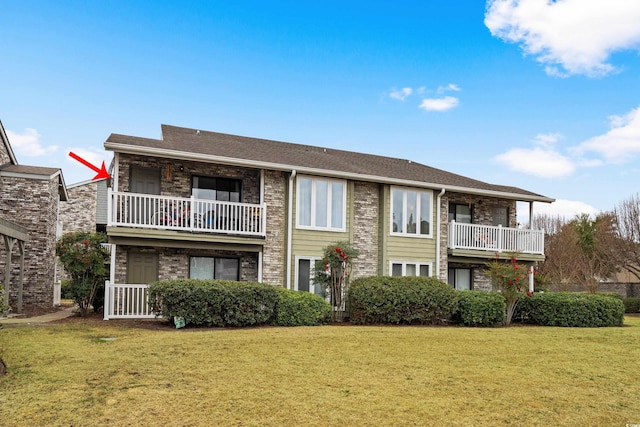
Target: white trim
column 181, row 155
column 418, row 212
column 292, row 177
column 312, row 260
column 417, row 264
column 329, row 206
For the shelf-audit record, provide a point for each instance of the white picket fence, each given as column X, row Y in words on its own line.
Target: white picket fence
column 126, row 301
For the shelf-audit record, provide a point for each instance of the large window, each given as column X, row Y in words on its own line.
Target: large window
column 460, row 213
column 214, row 268
column 409, row 268
column 461, row 278
column 411, row 212
column 223, row 189
column 321, row 204
column 305, row 267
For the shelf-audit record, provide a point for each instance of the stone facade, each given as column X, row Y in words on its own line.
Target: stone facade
column 176, row 176
column 366, row 206
column 33, row 204
column 275, row 248
column 174, row 263
column 78, row 213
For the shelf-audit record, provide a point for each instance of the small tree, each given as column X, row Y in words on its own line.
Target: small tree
column 510, row 278
column 333, row 273
column 85, row 260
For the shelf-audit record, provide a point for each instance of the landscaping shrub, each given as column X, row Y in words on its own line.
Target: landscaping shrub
column 631, row 305
column 215, row 302
column 401, row 300
column 3, row 306
column 296, row 308
column 571, row 309
column 480, row 308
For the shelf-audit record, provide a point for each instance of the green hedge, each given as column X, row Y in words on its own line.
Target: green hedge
column 480, row 308
column 570, row 309
column 631, row 305
column 401, row 300
column 215, row 302
column 296, row 308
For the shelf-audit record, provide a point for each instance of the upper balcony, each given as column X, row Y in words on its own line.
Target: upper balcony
column 479, row 240
column 185, row 214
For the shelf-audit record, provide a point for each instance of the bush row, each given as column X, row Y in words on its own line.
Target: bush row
column 229, row 303
column 377, row 300
column 631, row 305
column 571, row 309
column 401, row 300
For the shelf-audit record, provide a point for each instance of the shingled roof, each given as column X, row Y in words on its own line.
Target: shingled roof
column 192, row 144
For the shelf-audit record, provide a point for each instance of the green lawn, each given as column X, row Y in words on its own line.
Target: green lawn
column 327, row 376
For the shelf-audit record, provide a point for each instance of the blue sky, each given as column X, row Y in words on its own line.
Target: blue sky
column 535, row 94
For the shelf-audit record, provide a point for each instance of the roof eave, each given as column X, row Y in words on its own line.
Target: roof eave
column 182, row 155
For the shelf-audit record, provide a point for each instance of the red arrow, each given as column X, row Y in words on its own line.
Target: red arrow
column 102, row 172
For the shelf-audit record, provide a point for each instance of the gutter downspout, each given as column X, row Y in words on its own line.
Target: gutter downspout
column 438, row 237
column 290, row 227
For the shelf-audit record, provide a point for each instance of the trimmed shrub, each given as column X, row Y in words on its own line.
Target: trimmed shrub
column 480, row 308
column 215, row 302
column 631, row 305
column 401, row 300
column 295, row 308
column 571, row 309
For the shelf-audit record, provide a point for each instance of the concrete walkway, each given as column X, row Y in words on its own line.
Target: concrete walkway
column 49, row 317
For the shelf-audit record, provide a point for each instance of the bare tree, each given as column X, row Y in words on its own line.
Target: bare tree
column 627, row 216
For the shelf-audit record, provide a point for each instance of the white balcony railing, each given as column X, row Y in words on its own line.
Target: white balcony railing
column 126, row 301
column 495, row 239
column 185, row 214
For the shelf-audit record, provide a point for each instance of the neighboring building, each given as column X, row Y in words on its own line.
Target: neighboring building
column 29, row 202
column 210, row 205
column 86, row 208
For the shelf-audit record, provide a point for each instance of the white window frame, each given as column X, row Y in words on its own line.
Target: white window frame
column 312, row 260
column 417, row 264
column 418, row 212
column 313, row 225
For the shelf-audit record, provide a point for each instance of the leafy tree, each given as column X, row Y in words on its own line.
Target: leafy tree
column 627, row 217
column 85, row 260
column 511, row 279
column 333, row 273
column 581, row 251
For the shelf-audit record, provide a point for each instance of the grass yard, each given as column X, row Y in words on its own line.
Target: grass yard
column 68, row 375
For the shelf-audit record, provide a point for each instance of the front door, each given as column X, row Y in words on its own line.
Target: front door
column 142, row 268
column 144, row 181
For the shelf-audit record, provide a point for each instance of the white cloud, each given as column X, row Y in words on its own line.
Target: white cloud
column 439, row 104
column 28, row 143
column 568, row 36
column 93, row 155
column 621, row 143
column 539, row 161
column 449, row 87
column 563, row 208
column 400, row 94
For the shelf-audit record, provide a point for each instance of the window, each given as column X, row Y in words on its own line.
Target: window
column 461, row 278
column 410, row 268
column 460, row 213
column 411, row 212
column 223, row 189
column 501, row 217
column 214, row 268
column 321, row 204
column 304, row 275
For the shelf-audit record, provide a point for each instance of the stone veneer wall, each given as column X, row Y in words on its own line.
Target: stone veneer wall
column 4, row 154
column 275, row 248
column 174, row 263
column 176, row 182
column 79, row 212
column 366, row 206
column 32, row 204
